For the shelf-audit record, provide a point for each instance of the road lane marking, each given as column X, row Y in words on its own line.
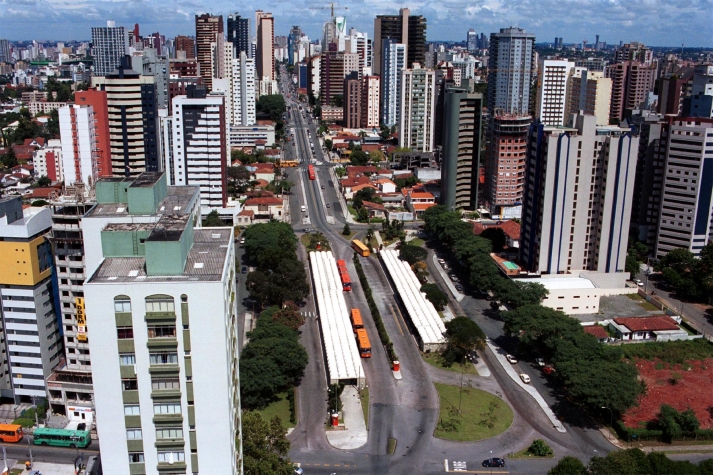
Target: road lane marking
column 398, row 324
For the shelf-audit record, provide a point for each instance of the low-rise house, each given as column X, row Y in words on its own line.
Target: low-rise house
column 385, row 185
column 376, row 210
column 419, row 201
column 245, row 217
column 656, row 328
column 264, row 209
column 597, row 331
column 262, row 171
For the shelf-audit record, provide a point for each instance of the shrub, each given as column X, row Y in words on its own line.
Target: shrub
column 539, row 448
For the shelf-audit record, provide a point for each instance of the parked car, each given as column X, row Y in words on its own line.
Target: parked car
column 525, row 378
column 494, row 462
column 441, row 261
column 511, row 359
column 638, row 282
column 244, row 270
column 453, row 277
column 459, row 288
column 549, row 369
column 242, row 240
column 540, row 362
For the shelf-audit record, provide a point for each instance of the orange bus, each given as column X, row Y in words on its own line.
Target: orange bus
column 344, row 275
column 360, row 248
column 357, row 323
column 363, row 343
column 10, row 432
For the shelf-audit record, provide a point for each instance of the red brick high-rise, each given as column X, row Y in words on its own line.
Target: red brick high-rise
column 98, row 101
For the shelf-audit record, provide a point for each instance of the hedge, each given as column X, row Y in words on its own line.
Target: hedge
column 629, row 434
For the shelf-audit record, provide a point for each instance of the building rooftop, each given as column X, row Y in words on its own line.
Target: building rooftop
column 561, row 283
column 648, row 324
column 597, row 331
column 177, row 201
column 205, row 262
column 146, row 179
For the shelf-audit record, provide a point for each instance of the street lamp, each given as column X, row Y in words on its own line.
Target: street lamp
column 611, row 420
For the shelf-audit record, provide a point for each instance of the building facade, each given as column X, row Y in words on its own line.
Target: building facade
column 80, row 161
column 418, row 109
column 370, row 93
column 239, row 33
column 334, row 67
column 109, row 45
column 511, row 71
column 589, row 92
column 394, row 62
column 265, row 53
column 552, row 91
column 209, row 29
column 506, row 160
column 404, row 28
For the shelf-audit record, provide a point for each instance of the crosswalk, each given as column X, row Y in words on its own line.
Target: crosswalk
column 308, row 314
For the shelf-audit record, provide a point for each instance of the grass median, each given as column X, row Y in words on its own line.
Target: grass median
column 470, row 415
column 280, row 408
column 435, row 359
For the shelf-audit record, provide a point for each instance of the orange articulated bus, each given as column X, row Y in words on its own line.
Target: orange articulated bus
column 10, row 432
column 310, row 169
column 360, row 248
column 363, row 343
column 344, row 275
column 357, row 322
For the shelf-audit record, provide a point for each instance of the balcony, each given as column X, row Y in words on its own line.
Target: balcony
column 173, row 418
column 177, row 443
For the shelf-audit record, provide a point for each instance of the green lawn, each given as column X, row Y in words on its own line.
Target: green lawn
column 351, row 209
column 24, row 422
column 365, row 405
column 280, row 408
column 636, row 297
column 524, row 454
column 417, row 242
column 648, row 306
column 434, row 359
column 481, row 416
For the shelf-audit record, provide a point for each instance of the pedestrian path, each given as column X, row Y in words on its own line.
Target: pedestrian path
column 352, row 434
column 457, row 295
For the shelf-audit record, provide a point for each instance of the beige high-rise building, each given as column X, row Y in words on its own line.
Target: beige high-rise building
column 418, row 109
column 265, row 52
column 208, row 29
column 589, row 92
column 371, row 86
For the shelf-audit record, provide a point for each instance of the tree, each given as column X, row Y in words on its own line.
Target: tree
column 706, row 467
column 538, row 326
column 328, row 144
column 238, row 174
column 463, row 336
column 435, row 296
column 272, row 105
column 539, row 448
column 213, row 220
column 497, row 237
column 9, row 159
column 39, row 203
column 407, row 182
column 358, row 157
column 266, row 327
column 260, row 381
column 346, row 231
column 623, row 462
column 412, row 254
column 44, row 181
column 376, row 156
column 265, row 446
column 362, row 215
column 289, row 356
column 289, row 316
column 568, row 466
column 365, row 194
column 632, row 265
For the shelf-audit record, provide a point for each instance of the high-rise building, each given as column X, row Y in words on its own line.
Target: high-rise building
column 80, row 160
column 241, row 96
column 293, row 41
column 97, row 100
column 5, row 56
column 314, row 72
column 700, row 103
column 160, row 297
column 393, row 63
column 578, row 193
column 133, row 121
column 462, row 117
column 31, row 340
column 589, row 92
column 153, row 64
column 418, row 109
column 334, row 67
column 631, row 83
column 239, row 34
column 407, row 30
column 209, row 29
column 370, row 89
column 511, row 70
column 505, row 161
column 352, row 101
column 186, row 45
column 471, row 40
column 634, row 51
column 199, row 151
column 265, row 53
column 551, row 97
column 109, row 45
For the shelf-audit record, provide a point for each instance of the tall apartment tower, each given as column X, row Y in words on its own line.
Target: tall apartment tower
column 199, row 152
column 578, row 193
column 208, row 29
column 293, row 40
column 265, row 54
column 552, row 81
column 186, row 45
column 239, row 33
column 31, row 337
column 133, row 120
column 240, row 97
column 471, row 40
column 511, row 70
column 161, row 302
column 394, row 62
column 406, row 29
column 631, row 83
column 80, row 160
column 109, row 45
column 462, row 117
column 334, row 67
column 5, row 56
column 370, row 89
column 589, row 92
column 418, row 109
column 352, row 101
column 98, row 102
column 505, row 160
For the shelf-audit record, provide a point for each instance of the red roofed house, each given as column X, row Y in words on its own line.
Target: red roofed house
column 510, row 228
column 660, row 327
column 419, row 201
column 24, row 170
column 348, row 184
column 264, row 209
column 385, row 185
column 376, row 210
column 262, row 171
column 597, row 331
column 361, row 169
column 245, row 218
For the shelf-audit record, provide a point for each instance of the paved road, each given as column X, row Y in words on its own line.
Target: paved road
column 20, row 452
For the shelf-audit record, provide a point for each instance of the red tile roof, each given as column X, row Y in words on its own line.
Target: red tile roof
column 361, row 169
column 370, row 147
column 260, row 194
column 42, row 193
column 648, row 324
column 247, row 212
column 597, row 331
column 269, row 200
column 512, row 229
column 422, row 206
column 376, row 206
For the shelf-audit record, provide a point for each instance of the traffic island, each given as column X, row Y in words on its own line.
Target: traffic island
column 467, row 414
column 351, row 434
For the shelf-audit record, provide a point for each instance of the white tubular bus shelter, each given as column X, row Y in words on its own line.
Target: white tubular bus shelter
column 424, row 317
column 343, row 361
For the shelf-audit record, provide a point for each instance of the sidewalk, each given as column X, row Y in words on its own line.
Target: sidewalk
column 654, row 448
column 46, row 468
column 352, row 434
column 447, row 280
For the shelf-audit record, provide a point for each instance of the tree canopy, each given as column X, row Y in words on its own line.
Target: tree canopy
column 435, row 296
column 213, row 220
column 272, row 105
column 265, row 446
column 463, row 336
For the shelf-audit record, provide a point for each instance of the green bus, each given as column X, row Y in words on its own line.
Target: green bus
column 62, row 437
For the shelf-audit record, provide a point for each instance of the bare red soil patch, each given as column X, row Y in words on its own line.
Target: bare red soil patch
column 677, row 386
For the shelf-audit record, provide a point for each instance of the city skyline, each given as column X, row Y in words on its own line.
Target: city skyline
column 654, row 24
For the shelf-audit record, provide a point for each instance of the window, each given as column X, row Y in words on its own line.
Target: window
column 133, row 434
column 122, row 303
column 160, row 303
column 129, row 384
column 124, row 333
column 171, row 457
column 169, row 408
column 136, row 457
column 163, row 357
column 127, row 359
column 170, row 433
column 165, row 383
column 131, row 410
column 162, row 331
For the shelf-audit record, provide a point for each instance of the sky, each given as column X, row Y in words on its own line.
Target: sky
column 652, row 22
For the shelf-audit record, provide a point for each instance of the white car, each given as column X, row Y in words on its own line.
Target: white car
column 540, row 362
column 525, row 378
column 638, row 282
column 511, row 359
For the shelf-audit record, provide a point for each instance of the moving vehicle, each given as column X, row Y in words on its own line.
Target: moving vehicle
column 511, row 359
column 303, row 208
column 355, row 317
column 525, row 378
column 494, row 462
column 344, row 275
column 10, row 432
column 540, row 362
column 62, row 437
column 310, row 168
column 244, row 270
column 289, row 163
column 363, row 343
column 360, row 248
column 242, row 240
column 328, row 205
column 638, row 282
